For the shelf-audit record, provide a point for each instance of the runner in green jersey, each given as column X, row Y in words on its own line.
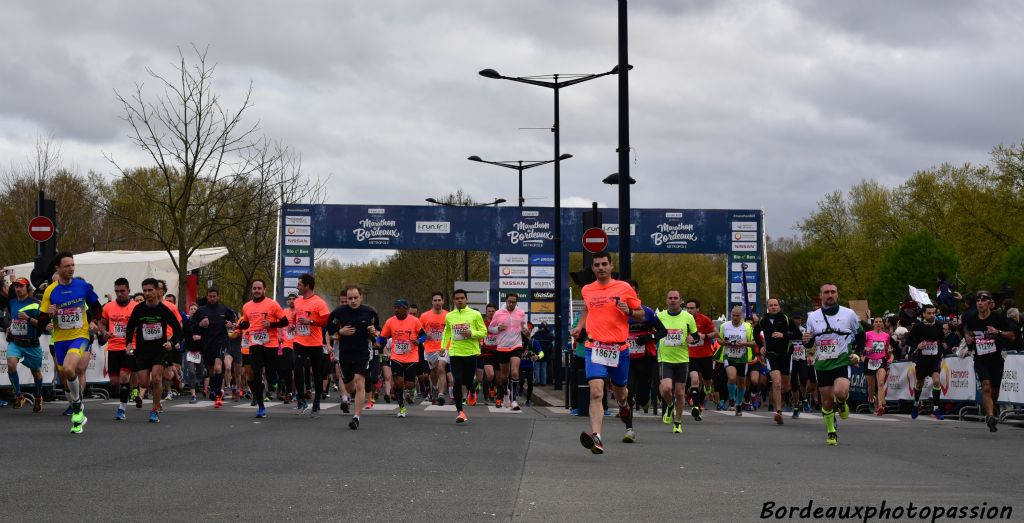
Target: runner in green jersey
column 674, row 357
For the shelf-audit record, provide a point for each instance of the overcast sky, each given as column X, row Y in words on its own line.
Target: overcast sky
column 733, row 104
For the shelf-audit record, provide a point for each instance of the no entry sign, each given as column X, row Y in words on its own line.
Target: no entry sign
column 595, row 240
column 40, row 228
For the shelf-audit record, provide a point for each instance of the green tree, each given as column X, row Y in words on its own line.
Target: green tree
column 1013, row 267
column 914, row 260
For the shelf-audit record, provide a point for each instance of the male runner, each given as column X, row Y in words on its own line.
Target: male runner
column 261, row 317
column 702, row 364
column 987, row 333
column 115, row 327
column 488, row 356
column 311, row 314
column 836, row 332
column 23, row 343
column 929, row 343
column 74, row 306
column 463, row 330
column 437, row 359
column 172, row 363
column 778, row 332
column 286, row 352
column 355, row 326
column 608, row 304
column 643, row 355
column 215, row 319
column 402, row 330
column 148, row 341
column 738, row 340
column 510, row 326
column 674, row 358
column 801, row 375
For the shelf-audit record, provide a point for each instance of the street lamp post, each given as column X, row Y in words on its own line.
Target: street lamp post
column 554, row 83
column 519, row 166
column 465, row 254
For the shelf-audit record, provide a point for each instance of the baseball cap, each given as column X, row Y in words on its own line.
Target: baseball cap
column 401, row 303
column 21, row 281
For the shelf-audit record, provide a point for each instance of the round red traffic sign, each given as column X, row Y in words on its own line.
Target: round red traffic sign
column 595, row 240
column 41, row 228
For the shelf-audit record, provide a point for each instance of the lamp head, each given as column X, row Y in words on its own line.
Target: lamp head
column 474, row 158
column 565, row 156
column 490, row 73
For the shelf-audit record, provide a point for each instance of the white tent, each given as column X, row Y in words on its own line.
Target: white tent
column 101, row 268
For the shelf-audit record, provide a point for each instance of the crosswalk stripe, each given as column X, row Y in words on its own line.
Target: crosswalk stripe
column 733, row 413
column 499, row 410
column 440, row 408
column 865, row 417
column 197, row 405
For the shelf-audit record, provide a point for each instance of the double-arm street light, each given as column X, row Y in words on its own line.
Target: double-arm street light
column 465, row 254
column 555, row 82
column 519, row 165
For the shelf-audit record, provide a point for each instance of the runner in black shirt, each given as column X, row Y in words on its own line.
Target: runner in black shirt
column 987, row 332
column 148, row 326
column 355, row 327
column 215, row 319
column 928, row 343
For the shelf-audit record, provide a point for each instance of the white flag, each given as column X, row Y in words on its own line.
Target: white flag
column 919, row 295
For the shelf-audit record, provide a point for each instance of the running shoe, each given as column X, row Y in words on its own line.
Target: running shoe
column 667, row 417
column 778, row 417
column 807, row 406
column 938, row 415
column 497, row 402
column 607, row 412
column 992, row 422
column 461, row 418
column 721, row 405
column 238, row 396
column 515, row 405
column 253, row 403
column 37, row 406
column 344, row 407
column 756, row 404
column 261, row 412
column 67, row 412
column 315, row 411
column 677, row 428
column 739, row 410
column 832, row 439
column 20, row 401
column 440, row 400
column 193, row 400
column 629, row 437
column 369, row 405
column 76, row 426
column 592, row 442
column 154, row 417
column 219, row 402
column 574, row 412
column 844, row 410
column 796, row 412
column 287, row 400
column 301, row 407
column 354, row 424
column 120, row 416
column 471, row 400
column 914, row 411
column 137, row 398
column 695, row 412
column 402, row 412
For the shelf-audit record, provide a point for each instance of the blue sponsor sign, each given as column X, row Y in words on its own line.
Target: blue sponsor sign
column 737, row 277
column 295, row 272
column 542, row 259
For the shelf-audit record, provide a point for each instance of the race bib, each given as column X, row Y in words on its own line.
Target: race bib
column 120, row 330
column 674, row 338
column 878, row 347
column 460, row 331
column 491, row 340
column 982, row 344
column 69, row 318
column 401, row 347
column 874, row 364
column 735, row 352
column 606, row 354
column 19, row 327
column 634, row 347
column 929, row 348
column 827, row 349
column 245, row 341
column 435, row 334
column 260, row 337
column 152, row 331
column 798, row 351
column 302, row 329
column 193, row 356
column 289, row 334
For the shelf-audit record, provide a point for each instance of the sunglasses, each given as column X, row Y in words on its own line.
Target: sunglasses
column 984, row 297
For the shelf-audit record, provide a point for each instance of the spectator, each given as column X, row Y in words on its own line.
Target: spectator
column 543, row 341
column 944, row 294
column 950, row 330
column 1013, row 317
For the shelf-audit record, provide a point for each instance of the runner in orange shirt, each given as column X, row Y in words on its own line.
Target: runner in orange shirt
column 114, row 325
column 262, row 317
column 403, row 330
column 437, row 359
column 311, row 313
column 286, row 353
column 608, row 305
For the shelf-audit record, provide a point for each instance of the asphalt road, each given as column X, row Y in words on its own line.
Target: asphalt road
column 199, row 463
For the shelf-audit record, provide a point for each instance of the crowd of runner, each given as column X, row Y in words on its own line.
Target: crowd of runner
column 623, row 347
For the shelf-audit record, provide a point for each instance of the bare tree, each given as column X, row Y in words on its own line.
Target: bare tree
column 195, row 144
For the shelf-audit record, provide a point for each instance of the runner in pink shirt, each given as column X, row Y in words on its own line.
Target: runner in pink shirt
column 510, row 326
column 877, row 352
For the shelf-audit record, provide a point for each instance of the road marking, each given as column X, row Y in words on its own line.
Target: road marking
column 733, row 414
column 867, row 417
column 502, row 410
column 384, row 407
column 440, row 408
column 197, row 405
column 558, row 410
